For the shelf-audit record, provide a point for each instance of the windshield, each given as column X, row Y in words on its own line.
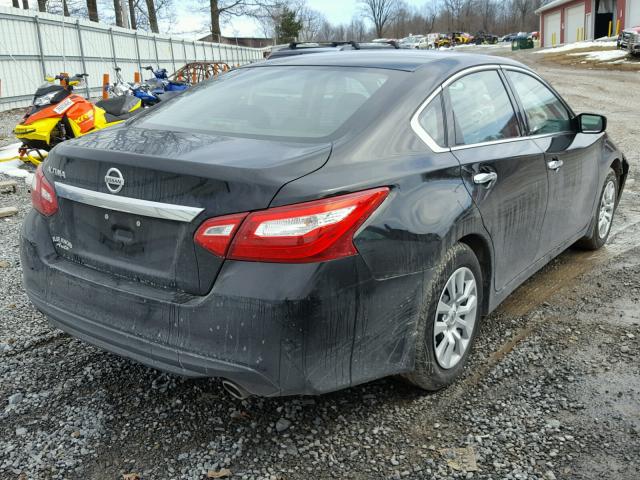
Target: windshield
column 298, row 102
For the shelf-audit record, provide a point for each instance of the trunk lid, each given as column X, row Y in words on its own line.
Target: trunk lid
column 161, row 171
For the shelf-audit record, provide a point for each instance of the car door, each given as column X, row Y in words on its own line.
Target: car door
column 504, row 171
column 571, row 159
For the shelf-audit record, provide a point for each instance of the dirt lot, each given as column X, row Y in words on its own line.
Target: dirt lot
column 593, row 58
column 552, row 389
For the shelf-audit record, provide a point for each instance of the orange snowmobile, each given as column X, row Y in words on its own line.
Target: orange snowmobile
column 57, row 114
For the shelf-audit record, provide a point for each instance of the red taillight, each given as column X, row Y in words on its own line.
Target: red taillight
column 314, row 231
column 215, row 234
column 43, row 195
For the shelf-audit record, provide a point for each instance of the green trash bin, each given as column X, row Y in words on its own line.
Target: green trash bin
column 522, row 43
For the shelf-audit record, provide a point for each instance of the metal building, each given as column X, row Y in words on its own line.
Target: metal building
column 568, row 21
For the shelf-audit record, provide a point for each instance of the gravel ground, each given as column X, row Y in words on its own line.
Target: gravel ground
column 8, row 120
column 552, row 389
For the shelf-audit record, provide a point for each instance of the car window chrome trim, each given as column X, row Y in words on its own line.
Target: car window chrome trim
column 489, row 143
column 523, row 70
column 431, row 143
column 136, row 206
column 415, row 122
column 467, row 71
column 421, row 132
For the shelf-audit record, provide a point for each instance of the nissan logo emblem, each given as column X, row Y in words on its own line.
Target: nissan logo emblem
column 114, row 180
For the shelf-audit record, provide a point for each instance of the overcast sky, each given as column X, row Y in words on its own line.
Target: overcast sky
column 189, row 19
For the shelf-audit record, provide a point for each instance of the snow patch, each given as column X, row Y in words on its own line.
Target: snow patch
column 12, row 167
column 574, row 46
column 602, row 55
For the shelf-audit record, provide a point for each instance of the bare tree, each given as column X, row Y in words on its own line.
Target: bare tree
column 25, row 4
column 221, row 10
column 432, row 10
column 357, row 30
column 453, row 10
column 312, row 21
column 92, row 8
column 487, row 12
column 153, row 19
column 163, row 10
column 401, row 19
column 117, row 8
column 380, row 12
column 42, row 5
column 132, row 14
column 16, row 3
column 65, row 8
column 524, row 10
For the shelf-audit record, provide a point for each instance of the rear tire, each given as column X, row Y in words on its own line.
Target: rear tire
column 448, row 321
column 603, row 216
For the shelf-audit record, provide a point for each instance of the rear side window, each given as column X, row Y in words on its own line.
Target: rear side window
column 545, row 112
column 432, row 121
column 481, row 108
column 292, row 102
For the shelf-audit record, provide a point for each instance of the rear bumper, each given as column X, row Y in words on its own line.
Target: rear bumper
column 152, row 354
column 275, row 329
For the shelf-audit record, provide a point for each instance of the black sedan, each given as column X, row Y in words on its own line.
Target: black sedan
column 315, row 222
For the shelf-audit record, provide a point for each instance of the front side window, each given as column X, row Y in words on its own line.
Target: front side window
column 545, row 112
column 481, row 108
column 432, row 120
column 292, row 102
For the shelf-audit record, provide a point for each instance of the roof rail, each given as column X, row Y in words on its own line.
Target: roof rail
column 293, row 45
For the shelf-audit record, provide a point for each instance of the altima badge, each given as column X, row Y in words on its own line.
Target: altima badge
column 114, row 180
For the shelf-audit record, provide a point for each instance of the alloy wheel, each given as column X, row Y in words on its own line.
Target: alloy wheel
column 607, row 204
column 455, row 318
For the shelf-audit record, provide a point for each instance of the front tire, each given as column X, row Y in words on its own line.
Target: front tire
column 449, row 320
column 603, row 216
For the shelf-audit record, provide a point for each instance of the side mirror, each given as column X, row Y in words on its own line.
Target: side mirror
column 591, row 123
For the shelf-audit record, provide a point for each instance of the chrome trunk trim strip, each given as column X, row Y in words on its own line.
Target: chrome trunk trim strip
column 145, row 208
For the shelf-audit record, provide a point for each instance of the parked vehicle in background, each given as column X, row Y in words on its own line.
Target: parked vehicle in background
column 139, row 90
column 429, row 41
column 149, row 95
column 629, row 39
column 481, row 38
column 461, row 38
column 161, row 82
column 58, row 114
column 509, row 37
column 411, row 41
column 311, row 223
column 443, row 41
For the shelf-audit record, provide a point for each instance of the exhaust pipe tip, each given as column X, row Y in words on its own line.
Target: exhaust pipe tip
column 235, row 390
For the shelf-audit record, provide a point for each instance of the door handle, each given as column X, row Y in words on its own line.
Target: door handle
column 554, row 164
column 485, row 178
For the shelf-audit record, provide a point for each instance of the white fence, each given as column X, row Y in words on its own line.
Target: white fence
column 35, row 44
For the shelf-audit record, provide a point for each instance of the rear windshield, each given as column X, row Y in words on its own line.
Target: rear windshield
column 295, row 102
